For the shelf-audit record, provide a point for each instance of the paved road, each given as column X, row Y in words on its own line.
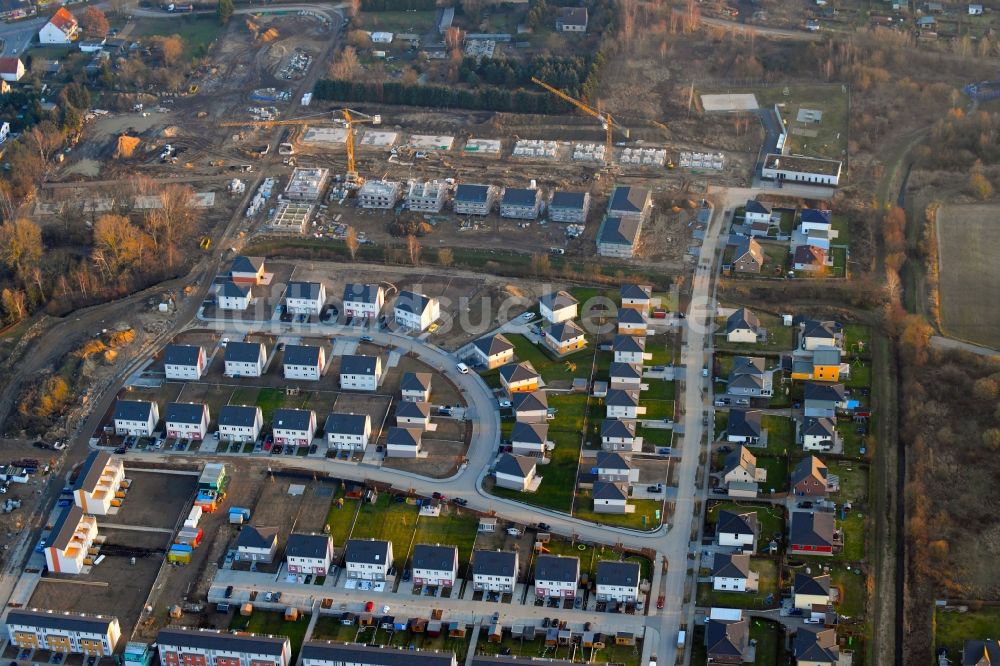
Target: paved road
column 780, row 33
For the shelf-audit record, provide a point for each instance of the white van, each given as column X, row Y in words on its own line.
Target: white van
column 463, row 368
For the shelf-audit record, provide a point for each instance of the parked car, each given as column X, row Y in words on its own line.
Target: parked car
column 229, row 591
column 660, row 602
column 367, row 338
column 544, row 527
column 370, row 606
column 664, row 450
column 120, row 450
column 460, row 501
column 654, row 489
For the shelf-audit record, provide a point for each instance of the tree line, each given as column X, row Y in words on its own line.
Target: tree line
column 576, row 76
column 397, row 5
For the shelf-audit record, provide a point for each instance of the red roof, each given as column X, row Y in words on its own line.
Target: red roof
column 808, row 254
column 10, row 65
column 63, row 20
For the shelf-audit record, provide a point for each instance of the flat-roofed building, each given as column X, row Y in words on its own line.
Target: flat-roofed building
column 379, row 194
column 799, row 169
column 426, row 196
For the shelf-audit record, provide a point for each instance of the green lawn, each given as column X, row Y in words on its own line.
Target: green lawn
column 549, row 368
column 656, row 436
column 952, row 629
column 273, row 624
column 853, row 480
column 854, row 536
column 657, row 410
column 657, row 345
column 590, row 555
column 861, row 376
column 771, row 519
column 768, row 585
column 454, row 527
column 769, row 637
column 787, row 223
column 269, row 399
column 775, row 256
column 857, row 338
column 852, row 440
column 329, row 628
column 839, row 255
column 779, row 337
column 197, row 32
column 777, row 473
column 558, row 477
column 340, row 518
column 852, row 591
column 659, row 389
column 387, row 520
column 839, row 223
column 780, row 433
column 419, row 22
column 644, row 517
column 721, row 423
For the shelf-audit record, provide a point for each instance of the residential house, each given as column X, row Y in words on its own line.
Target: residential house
column 811, row 533
column 519, row 377
column 233, row 296
column 62, row 28
column 245, row 359
column 812, row 218
column 815, row 229
column 348, row 432
column 741, row 474
column 570, row 207
column 305, row 298
column 558, row 306
column 521, row 203
column 632, row 321
column 626, row 376
column 416, row 311
column 184, row 362
column 610, row 497
column 247, row 270
column 811, row 259
column 474, row 199
column 810, row 591
column 812, row 478
column 309, row 554
column 571, row 19
column 749, row 378
column 137, row 418
column 816, row 646
column 257, row 544
column 619, row 435
column 731, row 573
column 618, row 581
column 494, row 570
column 823, row 400
column 4, row 126
column 630, row 349
column 623, row 404
column 11, row 69
column 427, row 196
column 493, row 350
column 403, row 442
column 974, row 9
column 363, row 300
column 304, row 362
column 565, row 337
column 410, row 413
column 748, row 256
column 360, row 373
column 743, row 326
column 727, row 637
column 63, row 633
column 629, row 200
column 517, row 473
column 819, row 433
column 97, row 481
column 435, row 565
column 612, row 466
column 758, row 212
column 368, row 559
column 744, row 426
column 377, row 193
column 240, row 423
column 739, row 530
column 975, row 652
column 70, row 540
column 636, row 296
column 556, row 576
column 328, row 653
column 619, row 236
column 416, row 386
column 187, row 420
column 179, row 646
column 530, row 407
column 529, row 439
column 293, row 427
column 822, row 365
column 814, row 334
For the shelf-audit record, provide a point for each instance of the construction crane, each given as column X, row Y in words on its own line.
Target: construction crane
column 607, row 122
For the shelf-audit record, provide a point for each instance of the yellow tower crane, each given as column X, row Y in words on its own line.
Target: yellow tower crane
column 607, row 122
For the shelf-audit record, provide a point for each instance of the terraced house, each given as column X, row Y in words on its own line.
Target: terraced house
column 184, row 362
column 187, row 420
column 240, row 423
column 96, row 483
column 304, row 362
column 206, row 647
column 71, row 537
column 63, row 633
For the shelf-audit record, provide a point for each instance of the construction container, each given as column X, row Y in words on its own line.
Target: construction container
column 246, row 610
column 179, row 554
column 291, row 614
column 189, row 537
column 176, row 612
column 213, row 477
column 195, row 513
column 238, row 515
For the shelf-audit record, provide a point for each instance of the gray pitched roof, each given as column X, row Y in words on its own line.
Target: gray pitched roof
column 812, row 585
column 230, row 289
column 822, row 391
column 748, row 365
column 636, row 292
column 529, row 401
column 238, row 415
column 491, row 345
column 812, row 328
column 252, row 536
column 519, row 466
column 413, row 410
column 412, row 302
column 731, row 522
column 472, row 193
column 209, row 639
column 91, row 471
column 822, row 426
column 557, row 300
column 243, row 352
column 346, row 424
column 403, row 436
column 181, row 355
column 557, row 568
column 357, row 364
column 744, row 423
column 754, row 206
column 826, row 356
column 629, row 343
column 604, row 490
column 726, row 637
column 731, row 565
column 618, row 428
column 185, row 412
column 612, row 460
column 361, row 293
column 628, row 199
column 571, row 200
column 531, row 433
column 520, row 196
column 243, row 264
column 976, row 652
column 631, row 316
column 307, row 545
column 621, row 398
column 367, row 551
column 133, row 410
column 415, row 381
column 516, row 372
column 438, row 558
column 573, row 15
column 810, row 528
column 740, row 457
column 90, row 624
column 745, row 382
column 564, row 330
column 816, row 645
column 625, row 371
column 303, row 290
column 301, row 355
column 65, row 527
column 293, row 419
column 748, row 246
column 494, row 563
column 618, row 573
column 356, row 653
column 742, row 318
column 619, row 230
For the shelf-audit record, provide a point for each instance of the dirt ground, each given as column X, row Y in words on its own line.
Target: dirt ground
column 155, row 500
column 443, row 460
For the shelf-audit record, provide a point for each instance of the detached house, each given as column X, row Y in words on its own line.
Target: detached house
column 519, row 377
column 743, row 326
column 811, row 478
column 493, row 350
column 731, row 573
column 612, row 467
column 622, row 404
column 410, row 413
column 530, row 407
column 750, row 378
column 823, row 365
column 416, row 386
column 814, row 334
column 529, row 439
column 184, row 362
column 811, row 259
column 520, row 203
column 494, row 570
column 305, row 298
column 187, row 420
column 610, row 497
column 811, row 533
column 738, row 530
column 727, row 637
column 294, row 427
column 558, row 307
column 416, row 311
column 748, row 256
column 816, row 646
column 435, row 565
column 11, row 69
column 823, row 400
column 626, row 376
column 630, row 349
column 233, row 296
column 571, row 207
column 565, row 337
column 744, row 426
column 741, row 474
column 517, row 473
column 240, row 423
column 137, row 418
column 62, row 28
column 632, row 321
column 348, row 432
column 619, row 435
column 758, row 212
column 618, row 581
column 474, row 199
column 556, row 577
column 403, row 442
column 360, row 373
column 368, row 559
column 247, row 270
column 309, row 554
column 636, row 297
column 363, row 300
column 810, row 591
column 245, row 359
column 304, row 362
column 978, row 652
column 819, row 433
column 257, row 544
column 572, row 19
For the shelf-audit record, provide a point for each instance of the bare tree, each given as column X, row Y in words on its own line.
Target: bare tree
column 413, row 249
column 45, row 138
column 14, row 304
column 445, row 257
column 346, row 65
column 20, row 246
column 351, row 240
column 94, row 23
column 173, row 220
